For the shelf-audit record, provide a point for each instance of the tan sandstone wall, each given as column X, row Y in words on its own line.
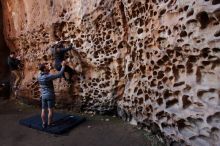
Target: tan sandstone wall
column 157, row 61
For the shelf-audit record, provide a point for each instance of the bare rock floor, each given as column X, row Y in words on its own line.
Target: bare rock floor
column 96, row 131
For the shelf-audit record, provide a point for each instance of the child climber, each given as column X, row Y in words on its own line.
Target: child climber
column 58, row 52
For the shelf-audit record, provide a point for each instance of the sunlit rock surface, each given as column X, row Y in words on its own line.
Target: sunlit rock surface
column 152, row 60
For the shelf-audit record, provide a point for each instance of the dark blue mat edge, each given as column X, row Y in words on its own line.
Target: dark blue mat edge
column 78, row 120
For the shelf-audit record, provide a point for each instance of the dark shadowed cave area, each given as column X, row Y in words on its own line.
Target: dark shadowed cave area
column 4, row 52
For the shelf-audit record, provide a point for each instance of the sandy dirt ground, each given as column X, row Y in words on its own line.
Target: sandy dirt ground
column 96, row 131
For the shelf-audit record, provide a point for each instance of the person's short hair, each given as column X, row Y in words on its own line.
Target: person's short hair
column 59, row 45
column 42, row 67
column 12, row 53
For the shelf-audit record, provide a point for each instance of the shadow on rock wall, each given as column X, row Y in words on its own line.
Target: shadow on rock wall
column 4, row 71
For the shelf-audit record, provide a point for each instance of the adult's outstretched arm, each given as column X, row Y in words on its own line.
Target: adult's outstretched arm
column 58, row 75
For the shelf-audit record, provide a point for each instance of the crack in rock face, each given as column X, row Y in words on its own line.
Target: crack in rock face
column 154, row 61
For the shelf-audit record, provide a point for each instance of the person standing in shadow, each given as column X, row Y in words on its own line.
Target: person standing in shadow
column 15, row 65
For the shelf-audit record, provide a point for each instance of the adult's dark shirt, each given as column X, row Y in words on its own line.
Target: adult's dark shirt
column 13, row 63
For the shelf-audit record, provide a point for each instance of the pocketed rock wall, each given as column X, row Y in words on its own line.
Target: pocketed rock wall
column 156, row 61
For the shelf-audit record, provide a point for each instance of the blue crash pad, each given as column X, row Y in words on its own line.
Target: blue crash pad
column 61, row 123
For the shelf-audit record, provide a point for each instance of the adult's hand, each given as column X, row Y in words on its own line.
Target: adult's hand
column 18, row 57
column 71, row 41
column 63, row 63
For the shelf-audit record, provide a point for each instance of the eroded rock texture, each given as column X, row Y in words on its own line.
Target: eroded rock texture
column 157, row 61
